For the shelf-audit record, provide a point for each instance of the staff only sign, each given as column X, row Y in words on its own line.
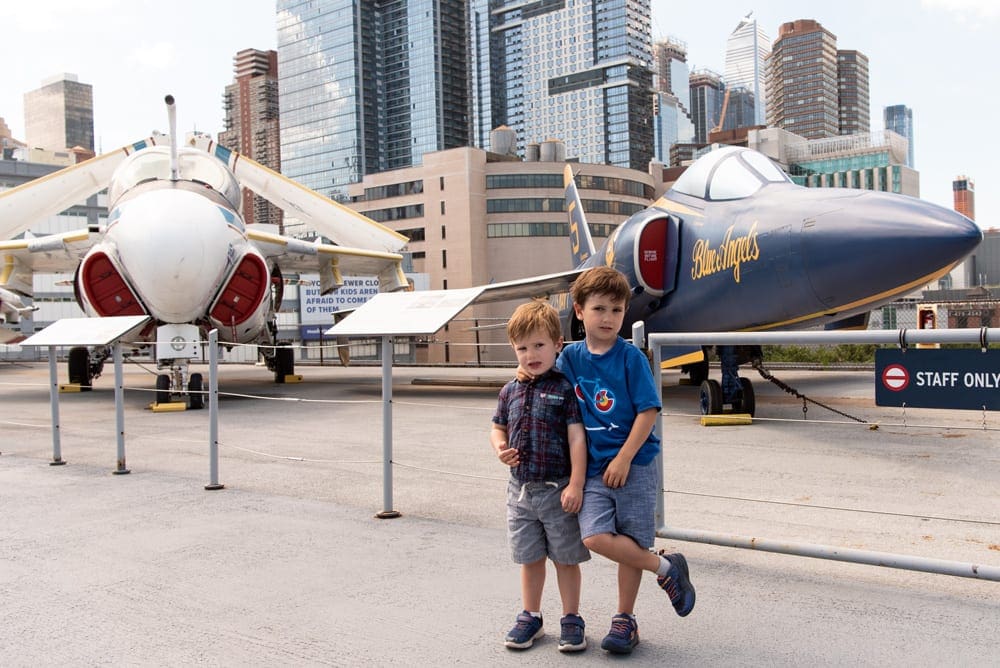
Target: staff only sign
column 964, row 379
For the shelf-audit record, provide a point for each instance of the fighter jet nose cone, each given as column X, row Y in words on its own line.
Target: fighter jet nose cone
column 882, row 244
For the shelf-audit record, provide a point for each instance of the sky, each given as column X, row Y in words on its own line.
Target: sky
column 937, row 57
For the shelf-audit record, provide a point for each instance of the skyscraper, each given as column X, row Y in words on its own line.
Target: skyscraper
column 251, row 122
column 964, row 190
column 899, row 119
column 814, row 90
column 369, row 86
column 579, row 72
column 747, row 50
column 707, row 96
column 853, row 106
column 60, row 114
column 672, row 100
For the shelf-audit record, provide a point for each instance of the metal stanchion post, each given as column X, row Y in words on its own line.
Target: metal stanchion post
column 387, row 511
column 213, row 411
column 119, row 409
column 57, row 459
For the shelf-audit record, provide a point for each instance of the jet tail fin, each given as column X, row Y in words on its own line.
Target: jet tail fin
column 581, row 243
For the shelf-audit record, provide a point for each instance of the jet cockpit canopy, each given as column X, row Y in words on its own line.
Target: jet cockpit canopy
column 153, row 163
column 727, row 173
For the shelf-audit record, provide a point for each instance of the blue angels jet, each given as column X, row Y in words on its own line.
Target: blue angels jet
column 735, row 245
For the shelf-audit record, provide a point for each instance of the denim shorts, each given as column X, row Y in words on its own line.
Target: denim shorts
column 629, row 510
column 537, row 526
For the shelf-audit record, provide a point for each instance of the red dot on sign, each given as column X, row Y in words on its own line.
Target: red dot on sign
column 895, row 377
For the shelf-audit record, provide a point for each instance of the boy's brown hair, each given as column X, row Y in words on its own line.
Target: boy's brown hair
column 600, row 281
column 535, row 315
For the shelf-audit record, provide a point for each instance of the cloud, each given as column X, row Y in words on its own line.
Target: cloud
column 966, row 10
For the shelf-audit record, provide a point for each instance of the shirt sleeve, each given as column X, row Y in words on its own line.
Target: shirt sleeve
column 500, row 416
column 642, row 384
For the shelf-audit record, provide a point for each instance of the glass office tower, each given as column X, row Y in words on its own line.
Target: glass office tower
column 367, row 86
column 575, row 71
column 747, row 50
column 899, row 119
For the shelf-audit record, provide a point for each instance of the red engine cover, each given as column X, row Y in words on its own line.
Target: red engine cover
column 243, row 293
column 106, row 290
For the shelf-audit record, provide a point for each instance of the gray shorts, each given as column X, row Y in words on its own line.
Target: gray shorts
column 537, row 526
column 629, row 510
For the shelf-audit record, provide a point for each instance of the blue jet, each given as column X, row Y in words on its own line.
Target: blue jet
column 735, row 245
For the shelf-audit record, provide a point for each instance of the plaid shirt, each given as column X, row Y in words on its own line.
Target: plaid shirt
column 536, row 414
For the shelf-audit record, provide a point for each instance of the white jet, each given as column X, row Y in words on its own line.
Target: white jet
column 176, row 248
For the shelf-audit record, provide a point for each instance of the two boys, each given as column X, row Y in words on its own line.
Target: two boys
column 619, row 401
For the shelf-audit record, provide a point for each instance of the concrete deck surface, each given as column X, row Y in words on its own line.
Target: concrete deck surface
column 287, row 566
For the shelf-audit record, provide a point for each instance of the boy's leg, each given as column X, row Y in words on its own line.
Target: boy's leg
column 629, row 579
column 532, row 584
column 572, row 634
column 569, row 579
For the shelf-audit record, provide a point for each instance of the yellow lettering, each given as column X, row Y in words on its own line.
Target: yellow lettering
column 732, row 252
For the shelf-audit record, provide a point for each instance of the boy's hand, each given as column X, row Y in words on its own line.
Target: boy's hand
column 507, row 455
column 572, row 499
column 522, row 375
column 616, row 473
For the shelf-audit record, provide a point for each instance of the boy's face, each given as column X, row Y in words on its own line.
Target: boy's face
column 602, row 318
column 536, row 352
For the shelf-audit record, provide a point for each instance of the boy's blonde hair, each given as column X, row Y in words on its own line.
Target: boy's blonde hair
column 600, row 281
column 535, row 315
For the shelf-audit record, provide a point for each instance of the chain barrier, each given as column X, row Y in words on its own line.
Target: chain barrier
column 758, row 364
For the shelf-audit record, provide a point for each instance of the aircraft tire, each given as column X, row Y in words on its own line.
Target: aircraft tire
column 284, row 362
column 196, row 400
column 79, row 367
column 748, row 403
column 162, row 389
column 710, row 397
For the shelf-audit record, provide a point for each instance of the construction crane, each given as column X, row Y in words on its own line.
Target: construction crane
column 722, row 116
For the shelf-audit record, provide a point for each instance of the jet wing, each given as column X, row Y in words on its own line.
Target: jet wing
column 51, row 254
column 53, row 193
column 426, row 311
column 332, row 220
column 329, row 261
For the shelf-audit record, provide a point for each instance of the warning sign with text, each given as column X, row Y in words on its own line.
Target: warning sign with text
column 920, row 378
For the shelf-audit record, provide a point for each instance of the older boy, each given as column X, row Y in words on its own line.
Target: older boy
column 620, row 401
column 537, row 432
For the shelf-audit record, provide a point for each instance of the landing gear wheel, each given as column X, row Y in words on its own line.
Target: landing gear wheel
column 284, row 363
column 748, row 403
column 163, row 389
column 79, row 368
column 196, row 400
column 710, row 397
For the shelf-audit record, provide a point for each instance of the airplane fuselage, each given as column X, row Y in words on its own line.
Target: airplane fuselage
column 177, row 250
column 787, row 257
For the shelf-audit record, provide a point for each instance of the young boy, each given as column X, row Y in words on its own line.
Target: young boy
column 620, row 401
column 537, row 432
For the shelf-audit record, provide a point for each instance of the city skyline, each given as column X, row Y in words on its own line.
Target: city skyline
column 924, row 54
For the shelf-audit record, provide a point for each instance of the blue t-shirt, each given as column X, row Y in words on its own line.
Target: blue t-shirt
column 612, row 388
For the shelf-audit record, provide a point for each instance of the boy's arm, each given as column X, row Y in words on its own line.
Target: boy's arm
column 498, row 439
column 572, row 496
column 616, row 473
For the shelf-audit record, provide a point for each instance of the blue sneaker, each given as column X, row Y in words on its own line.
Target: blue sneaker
column 677, row 584
column 572, row 638
column 526, row 629
column 623, row 636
